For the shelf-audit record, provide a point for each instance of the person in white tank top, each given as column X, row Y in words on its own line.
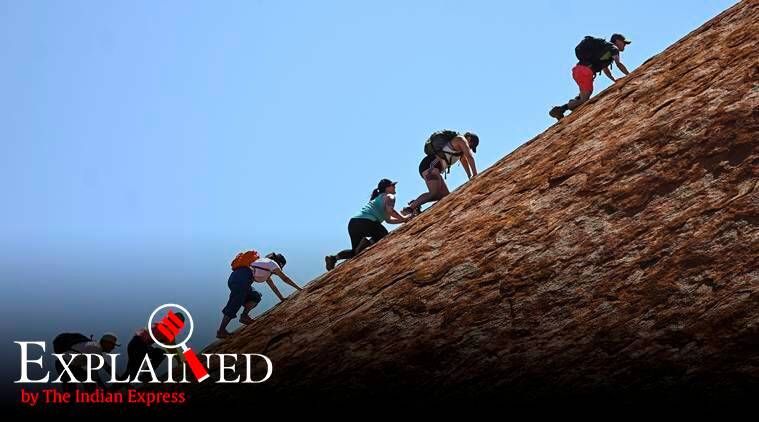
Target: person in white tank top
column 459, row 148
column 452, row 156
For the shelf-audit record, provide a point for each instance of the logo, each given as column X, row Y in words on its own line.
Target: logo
column 169, row 329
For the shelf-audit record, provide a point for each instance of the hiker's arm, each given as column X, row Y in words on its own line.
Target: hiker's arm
column 621, row 67
column 465, row 163
column 96, row 375
column 398, row 215
column 467, row 159
column 470, row 162
column 396, row 219
column 274, row 289
column 281, row 274
column 107, row 368
column 99, row 380
column 392, row 215
column 607, row 72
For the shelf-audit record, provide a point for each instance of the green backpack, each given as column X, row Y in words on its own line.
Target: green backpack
column 437, row 141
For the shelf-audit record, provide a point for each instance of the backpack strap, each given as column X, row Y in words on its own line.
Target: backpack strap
column 447, row 154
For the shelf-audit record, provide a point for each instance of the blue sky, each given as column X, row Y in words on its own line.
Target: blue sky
column 145, row 143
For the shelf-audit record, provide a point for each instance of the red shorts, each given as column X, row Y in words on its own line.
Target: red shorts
column 583, row 75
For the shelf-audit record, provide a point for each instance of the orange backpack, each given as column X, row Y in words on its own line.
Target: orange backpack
column 244, row 259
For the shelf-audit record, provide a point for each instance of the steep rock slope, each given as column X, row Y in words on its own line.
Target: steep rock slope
column 616, row 251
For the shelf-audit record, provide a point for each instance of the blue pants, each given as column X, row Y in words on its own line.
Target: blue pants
column 240, row 291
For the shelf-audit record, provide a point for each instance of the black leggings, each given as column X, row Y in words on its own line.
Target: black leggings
column 358, row 229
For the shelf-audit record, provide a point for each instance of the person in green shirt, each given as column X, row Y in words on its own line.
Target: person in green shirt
column 368, row 222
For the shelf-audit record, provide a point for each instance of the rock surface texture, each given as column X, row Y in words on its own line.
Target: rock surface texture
column 617, row 251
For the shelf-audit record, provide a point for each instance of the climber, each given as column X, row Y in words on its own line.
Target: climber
column 443, row 149
column 368, row 223
column 247, row 267
column 595, row 55
column 69, row 344
column 142, row 345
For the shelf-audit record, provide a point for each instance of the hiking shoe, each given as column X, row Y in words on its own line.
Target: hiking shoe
column 557, row 113
column 244, row 319
column 412, row 212
column 223, row 334
column 331, row 261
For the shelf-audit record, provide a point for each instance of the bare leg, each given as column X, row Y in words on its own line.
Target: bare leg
column 443, row 187
column 222, row 332
column 579, row 100
column 248, row 307
column 437, row 189
column 558, row 111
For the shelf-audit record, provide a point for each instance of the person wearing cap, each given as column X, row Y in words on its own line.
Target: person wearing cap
column 242, row 294
column 458, row 147
column 585, row 71
column 78, row 365
column 368, row 222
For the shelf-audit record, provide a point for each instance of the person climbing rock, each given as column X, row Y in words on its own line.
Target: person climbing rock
column 443, row 149
column 68, row 344
column 368, row 223
column 595, row 55
column 142, row 345
column 247, row 267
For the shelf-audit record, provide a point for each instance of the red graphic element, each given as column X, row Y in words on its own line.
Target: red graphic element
column 169, row 327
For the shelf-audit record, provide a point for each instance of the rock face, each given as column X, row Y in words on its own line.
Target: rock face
column 616, row 252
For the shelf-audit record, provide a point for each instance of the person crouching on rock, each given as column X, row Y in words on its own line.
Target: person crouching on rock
column 368, row 223
column 247, row 267
column 73, row 346
column 443, row 149
column 595, row 55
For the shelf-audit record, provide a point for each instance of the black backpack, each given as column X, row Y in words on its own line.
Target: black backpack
column 437, row 141
column 63, row 343
column 590, row 50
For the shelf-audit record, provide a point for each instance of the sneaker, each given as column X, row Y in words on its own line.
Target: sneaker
column 557, row 113
column 411, row 212
column 223, row 334
column 331, row 261
column 244, row 319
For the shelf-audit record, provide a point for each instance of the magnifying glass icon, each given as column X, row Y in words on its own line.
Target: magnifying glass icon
column 168, row 328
